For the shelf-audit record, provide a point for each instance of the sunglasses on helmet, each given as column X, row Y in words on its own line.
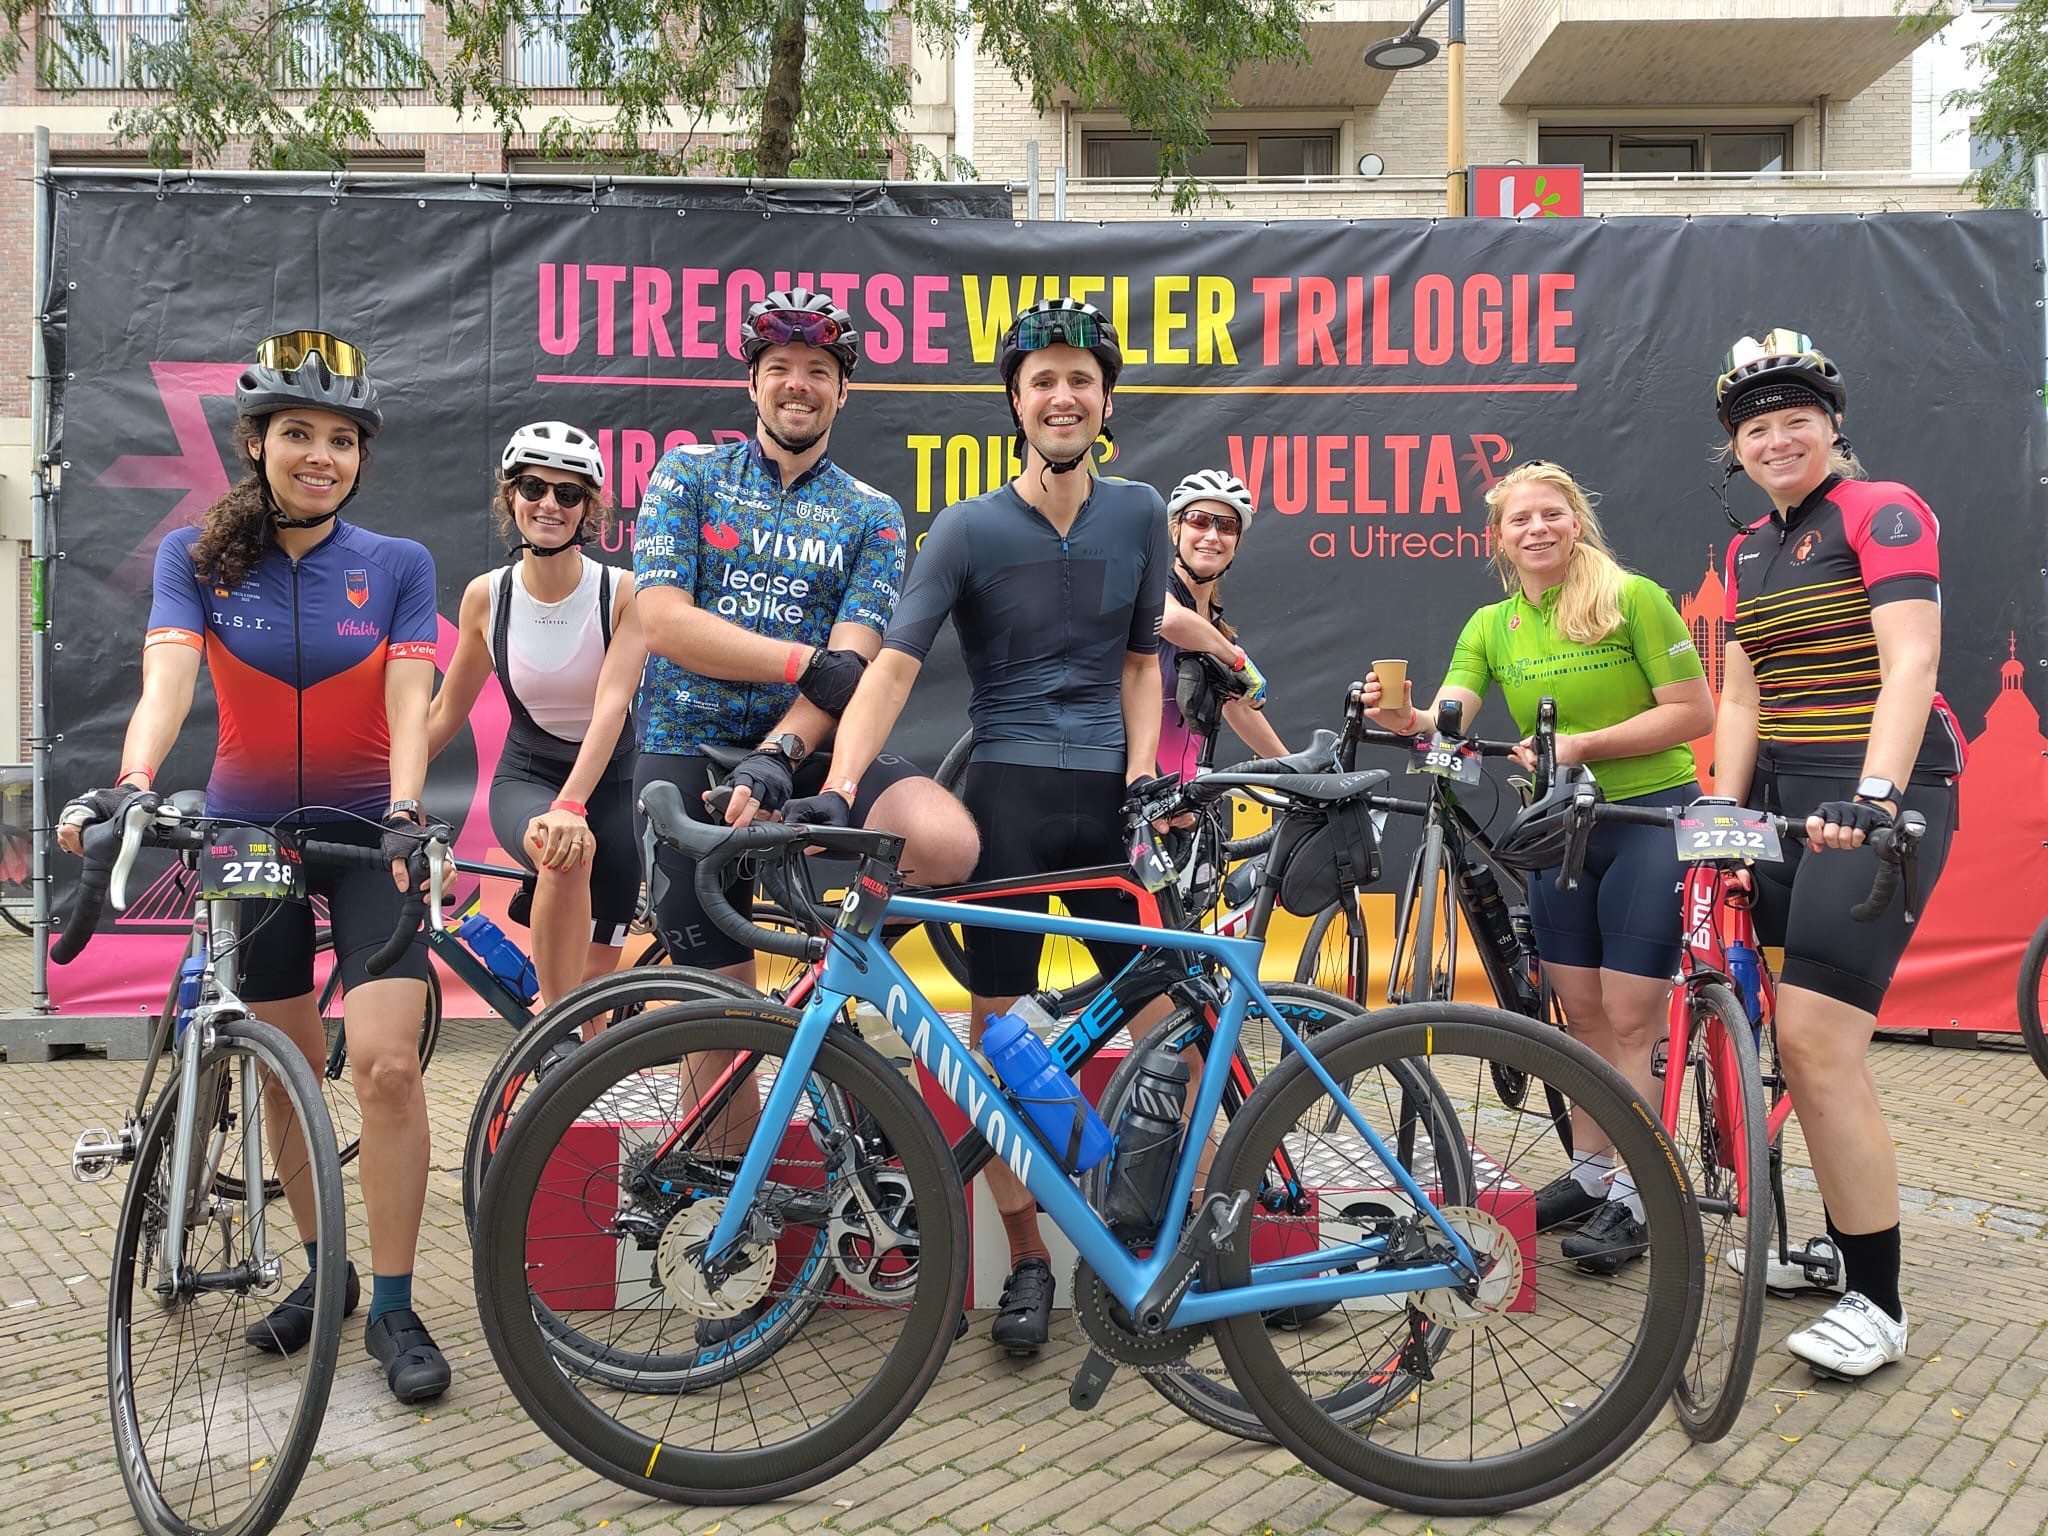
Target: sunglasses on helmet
column 568, row 494
column 286, row 350
column 777, row 326
column 1775, row 343
column 1225, row 523
column 1056, row 327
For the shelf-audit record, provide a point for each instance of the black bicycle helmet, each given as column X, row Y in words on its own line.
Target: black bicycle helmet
column 263, row 391
column 799, row 305
column 1066, row 322
column 1776, row 372
column 1541, row 831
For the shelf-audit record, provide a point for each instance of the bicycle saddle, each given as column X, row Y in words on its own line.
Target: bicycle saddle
column 725, row 758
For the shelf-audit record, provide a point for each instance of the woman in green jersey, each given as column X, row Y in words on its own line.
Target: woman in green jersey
column 1610, row 648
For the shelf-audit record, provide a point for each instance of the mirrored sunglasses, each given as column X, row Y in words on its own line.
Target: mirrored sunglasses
column 1055, row 327
column 777, row 326
column 286, row 350
column 1220, row 522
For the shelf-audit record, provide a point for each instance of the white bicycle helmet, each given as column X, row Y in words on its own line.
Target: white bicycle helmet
column 554, row 445
column 1213, row 485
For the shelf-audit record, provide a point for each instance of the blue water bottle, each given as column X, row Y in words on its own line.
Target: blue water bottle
column 191, row 972
column 1046, row 1094
column 501, row 957
column 1747, row 970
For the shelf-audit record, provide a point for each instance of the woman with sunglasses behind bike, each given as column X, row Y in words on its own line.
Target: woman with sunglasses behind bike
column 1829, row 711
column 319, row 636
column 559, row 630
column 1610, row 648
column 1207, row 516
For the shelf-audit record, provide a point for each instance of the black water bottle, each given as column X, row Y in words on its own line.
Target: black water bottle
column 1147, row 1142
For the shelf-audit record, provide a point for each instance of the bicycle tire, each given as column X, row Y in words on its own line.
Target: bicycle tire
column 1646, row 1356
column 621, row 994
column 898, row 1131
column 1710, row 1140
column 2033, row 1031
column 143, row 1439
column 1214, row 1400
column 1426, row 985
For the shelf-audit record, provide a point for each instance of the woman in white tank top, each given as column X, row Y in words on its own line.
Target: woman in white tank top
column 559, row 631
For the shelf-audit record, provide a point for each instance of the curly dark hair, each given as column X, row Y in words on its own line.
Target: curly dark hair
column 596, row 522
column 236, row 529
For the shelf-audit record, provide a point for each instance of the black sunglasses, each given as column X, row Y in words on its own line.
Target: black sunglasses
column 568, row 495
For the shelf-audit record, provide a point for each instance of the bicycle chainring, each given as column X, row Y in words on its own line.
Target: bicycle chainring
column 873, row 1236
column 1110, row 1328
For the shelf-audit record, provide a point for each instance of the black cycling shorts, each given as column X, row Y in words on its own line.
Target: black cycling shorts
column 691, row 937
column 1804, row 903
column 362, row 909
column 1624, row 914
column 1038, row 821
column 527, row 784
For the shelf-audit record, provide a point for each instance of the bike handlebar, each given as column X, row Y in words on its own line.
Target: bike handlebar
column 110, row 849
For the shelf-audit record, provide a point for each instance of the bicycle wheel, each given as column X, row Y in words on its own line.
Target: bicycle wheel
column 1719, row 1130
column 1548, row 1372
column 1336, row 957
column 605, row 1190
column 1428, row 1142
column 213, row 1435
column 550, row 1035
column 2032, row 997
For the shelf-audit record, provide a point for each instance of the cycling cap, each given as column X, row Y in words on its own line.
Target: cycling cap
column 1540, row 833
column 1213, row 485
column 1781, row 370
column 314, row 370
column 797, row 314
column 554, row 445
column 1061, row 322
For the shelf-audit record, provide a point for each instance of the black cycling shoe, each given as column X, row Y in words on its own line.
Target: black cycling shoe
column 1608, row 1241
column 714, row 1331
column 1564, row 1200
column 414, row 1367
column 290, row 1323
column 1024, row 1318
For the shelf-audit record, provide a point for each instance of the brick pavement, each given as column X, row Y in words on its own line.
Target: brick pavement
column 1951, row 1442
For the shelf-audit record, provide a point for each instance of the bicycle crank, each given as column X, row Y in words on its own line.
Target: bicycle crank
column 873, row 1235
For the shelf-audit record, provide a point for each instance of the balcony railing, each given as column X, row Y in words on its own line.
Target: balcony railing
column 63, row 63
column 314, row 54
column 541, row 58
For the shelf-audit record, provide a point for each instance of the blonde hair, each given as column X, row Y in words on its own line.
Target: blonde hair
column 1589, row 603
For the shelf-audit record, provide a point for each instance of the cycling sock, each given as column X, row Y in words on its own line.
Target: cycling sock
column 1870, row 1264
column 1592, row 1170
column 1624, row 1190
column 390, row 1293
column 312, row 1255
column 1022, row 1230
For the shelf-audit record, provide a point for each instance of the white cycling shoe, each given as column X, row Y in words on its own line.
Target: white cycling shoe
column 1783, row 1279
column 1851, row 1340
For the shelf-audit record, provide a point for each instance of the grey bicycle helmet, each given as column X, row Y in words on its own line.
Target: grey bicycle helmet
column 264, row 391
column 797, row 314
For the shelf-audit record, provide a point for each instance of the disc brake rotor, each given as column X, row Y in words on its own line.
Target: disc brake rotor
column 1500, row 1272
column 683, row 1281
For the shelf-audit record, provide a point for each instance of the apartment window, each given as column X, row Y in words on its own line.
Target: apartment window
column 1986, row 152
column 541, row 58
column 1664, row 152
column 752, row 73
column 312, row 54
column 1133, row 156
column 126, row 27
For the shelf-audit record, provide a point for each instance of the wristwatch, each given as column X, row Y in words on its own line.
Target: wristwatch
column 408, row 808
column 1874, row 789
column 788, row 746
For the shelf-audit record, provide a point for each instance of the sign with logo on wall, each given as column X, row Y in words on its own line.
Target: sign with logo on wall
column 1527, row 191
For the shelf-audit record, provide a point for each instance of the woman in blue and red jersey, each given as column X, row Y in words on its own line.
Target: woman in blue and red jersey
column 320, row 639
column 1829, row 711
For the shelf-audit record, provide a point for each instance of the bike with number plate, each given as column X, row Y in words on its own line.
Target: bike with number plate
column 1725, row 1100
column 234, row 1171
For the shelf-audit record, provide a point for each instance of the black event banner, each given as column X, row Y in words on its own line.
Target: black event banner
column 1367, row 380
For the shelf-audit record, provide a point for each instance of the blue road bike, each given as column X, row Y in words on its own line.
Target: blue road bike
column 1417, row 1343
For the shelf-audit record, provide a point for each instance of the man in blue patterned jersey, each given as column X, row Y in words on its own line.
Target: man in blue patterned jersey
column 765, row 577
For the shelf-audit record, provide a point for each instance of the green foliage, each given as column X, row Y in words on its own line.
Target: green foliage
column 2010, row 107
column 813, row 88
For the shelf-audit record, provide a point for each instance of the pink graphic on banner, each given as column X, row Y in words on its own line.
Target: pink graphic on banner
column 195, row 468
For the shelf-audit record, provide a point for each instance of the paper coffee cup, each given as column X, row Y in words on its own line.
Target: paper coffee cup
column 1393, row 675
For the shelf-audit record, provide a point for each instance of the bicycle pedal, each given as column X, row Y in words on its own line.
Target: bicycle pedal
column 98, row 1152
column 1210, row 1233
column 1091, row 1381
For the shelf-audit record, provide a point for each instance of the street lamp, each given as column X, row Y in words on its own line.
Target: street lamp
column 1411, row 49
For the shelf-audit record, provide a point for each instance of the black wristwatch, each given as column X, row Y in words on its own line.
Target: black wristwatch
column 409, row 808
column 1873, row 789
column 788, row 746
